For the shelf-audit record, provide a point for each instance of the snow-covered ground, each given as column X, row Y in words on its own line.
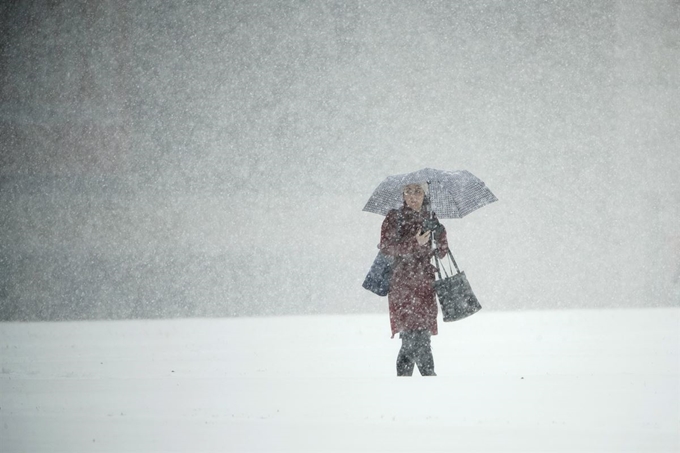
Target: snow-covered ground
column 578, row 381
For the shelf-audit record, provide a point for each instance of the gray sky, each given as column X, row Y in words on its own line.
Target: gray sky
column 209, row 158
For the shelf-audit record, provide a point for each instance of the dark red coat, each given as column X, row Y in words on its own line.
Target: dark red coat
column 411, row 298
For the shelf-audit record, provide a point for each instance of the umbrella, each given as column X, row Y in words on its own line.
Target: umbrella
column 453, row 194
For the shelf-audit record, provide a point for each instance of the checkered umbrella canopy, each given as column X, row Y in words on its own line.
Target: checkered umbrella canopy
column 453, row 194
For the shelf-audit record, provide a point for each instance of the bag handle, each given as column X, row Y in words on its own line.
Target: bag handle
column 436, row 260
column 433, row 241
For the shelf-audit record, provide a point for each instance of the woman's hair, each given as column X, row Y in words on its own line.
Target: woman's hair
column 423, row 185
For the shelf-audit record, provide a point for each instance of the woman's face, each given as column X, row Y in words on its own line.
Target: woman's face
column 414, row 196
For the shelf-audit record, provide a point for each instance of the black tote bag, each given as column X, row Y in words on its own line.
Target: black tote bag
column 455, row 293
column 378, row 278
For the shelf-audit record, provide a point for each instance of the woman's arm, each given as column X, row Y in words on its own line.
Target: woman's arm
column 442, row 243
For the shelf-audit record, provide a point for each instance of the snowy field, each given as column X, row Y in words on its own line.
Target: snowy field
column 576, row 381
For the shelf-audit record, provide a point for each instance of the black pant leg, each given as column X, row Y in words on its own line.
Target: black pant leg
column 405, row 359
column 423, row 354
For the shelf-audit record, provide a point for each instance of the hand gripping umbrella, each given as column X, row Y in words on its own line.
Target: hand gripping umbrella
column 453, row 194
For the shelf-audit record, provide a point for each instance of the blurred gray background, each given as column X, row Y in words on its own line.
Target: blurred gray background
column 211, row 158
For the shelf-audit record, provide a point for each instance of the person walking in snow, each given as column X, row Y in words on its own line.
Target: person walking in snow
column 412, row 303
